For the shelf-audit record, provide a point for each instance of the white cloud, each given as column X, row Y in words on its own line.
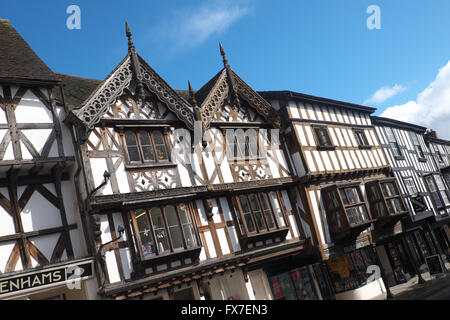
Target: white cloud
column 432, row 108
column 193, row 26
column 384, row 93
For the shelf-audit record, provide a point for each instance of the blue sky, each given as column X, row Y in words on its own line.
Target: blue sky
column 322, row 47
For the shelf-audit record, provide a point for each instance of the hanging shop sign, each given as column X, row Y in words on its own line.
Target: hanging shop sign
column 47, row 277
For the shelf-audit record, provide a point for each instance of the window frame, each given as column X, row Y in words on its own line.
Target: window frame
column 344, row 207
column 234, row 157
column 361, row 144
column 393, row 143
column 438, row 191
column 320, row 146
column 378, row 184
column 436, row 151
column 411, row 178
column 142, row 163
column 240, row 215
column 137, row 233
column 417, row 146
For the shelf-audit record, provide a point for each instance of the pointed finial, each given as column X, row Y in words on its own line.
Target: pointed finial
column 191, row 94
column 128, row 32
column 222, row 53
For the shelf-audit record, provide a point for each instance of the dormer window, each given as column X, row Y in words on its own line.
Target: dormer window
column 146, row 147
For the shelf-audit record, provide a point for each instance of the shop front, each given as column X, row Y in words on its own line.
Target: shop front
column 307, row 282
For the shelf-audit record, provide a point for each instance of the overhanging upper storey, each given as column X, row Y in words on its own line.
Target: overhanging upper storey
column 134, row 77
column 329, row 139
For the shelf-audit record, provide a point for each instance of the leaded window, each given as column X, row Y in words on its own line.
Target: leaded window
column 146, row 147
column 163, row 229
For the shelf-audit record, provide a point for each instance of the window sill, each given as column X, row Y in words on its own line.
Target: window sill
column 246, row 160
column 153, row 260
column 324, row 148
column 150, row 166
column 253, row 238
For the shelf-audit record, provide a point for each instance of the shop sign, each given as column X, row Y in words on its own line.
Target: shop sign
column 46, row 278
column 339, row 265
column 435, row 265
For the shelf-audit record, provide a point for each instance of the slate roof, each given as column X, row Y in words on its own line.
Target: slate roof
column 76, row 89
column 17, row 60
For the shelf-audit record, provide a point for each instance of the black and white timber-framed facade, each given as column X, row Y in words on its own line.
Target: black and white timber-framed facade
column 41, row 233
column 167, row 228
column 112, row 176
column 348, row 195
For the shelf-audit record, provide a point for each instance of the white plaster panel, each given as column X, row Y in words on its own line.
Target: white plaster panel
column 78, row 244
column 310, row 161
column 39, row 214
column 301, row 135
column 223, row 241
column 234, row 239
column 46, row 244
column 5, row 251
column 31, row 110
column 312, row 195
column 98, row 167
column 37, row 137
column 125, row 258
column 113, row 270
column 210, row 244
column 6, row 223
column 201, row 213
column 122, row 180
column 226, row 209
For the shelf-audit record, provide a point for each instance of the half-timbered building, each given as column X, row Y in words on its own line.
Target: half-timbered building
column 182, row 202
column 440, row 151
column 43, row 254
column 349, row 200
column 424, row 191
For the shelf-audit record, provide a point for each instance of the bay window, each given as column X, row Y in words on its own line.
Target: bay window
column 259, row 212
column 438, row 191
column 163, row 229
column 385, row 198
column 345, row 206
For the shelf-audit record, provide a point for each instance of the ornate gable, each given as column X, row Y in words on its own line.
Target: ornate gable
column 227, row 85
column 132, row 78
